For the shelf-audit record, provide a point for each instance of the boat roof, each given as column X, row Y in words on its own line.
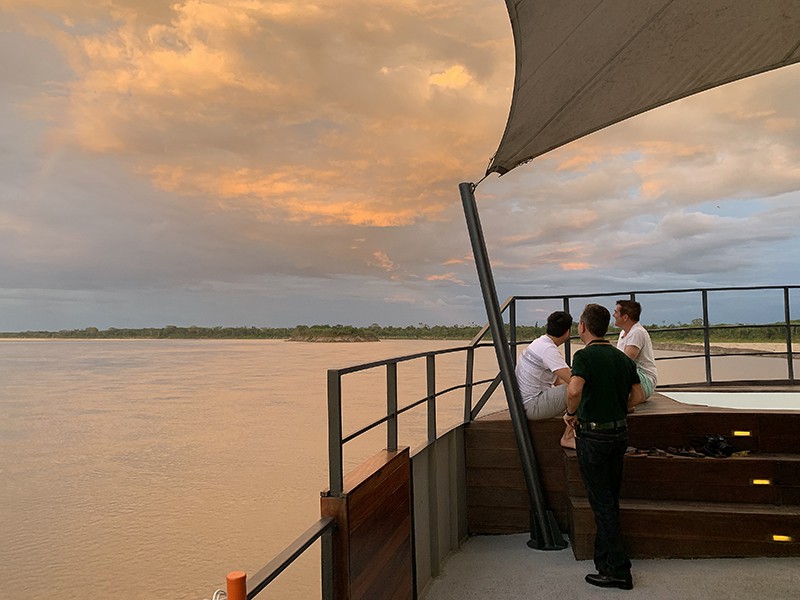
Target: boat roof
column 582, row 66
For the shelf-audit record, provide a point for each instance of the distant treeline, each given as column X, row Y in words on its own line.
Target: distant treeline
column 173, row 332
column 684, row 333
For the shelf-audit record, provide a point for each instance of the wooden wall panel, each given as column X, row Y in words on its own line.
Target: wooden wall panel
column 372, row 542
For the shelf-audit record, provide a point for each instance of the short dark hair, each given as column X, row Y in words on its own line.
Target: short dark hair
column 631, row 308
column 596, row 319
column 559, row 323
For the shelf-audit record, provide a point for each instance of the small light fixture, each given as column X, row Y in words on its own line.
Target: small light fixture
column 741, row 434
column 761, row 481
column 781, row 538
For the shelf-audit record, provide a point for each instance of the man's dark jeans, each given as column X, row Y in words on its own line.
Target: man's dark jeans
column 600, row 455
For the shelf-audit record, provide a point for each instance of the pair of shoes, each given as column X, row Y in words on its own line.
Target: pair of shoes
column 610, row 581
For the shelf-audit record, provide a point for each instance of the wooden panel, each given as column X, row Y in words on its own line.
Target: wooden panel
column 372, row 543
column 692, row 530
column 496, row 491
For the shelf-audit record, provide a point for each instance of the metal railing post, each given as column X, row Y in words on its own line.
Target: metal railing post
column 430, row 369
column 335, row 468
column 512, row 329
column 788, row 318
column 706, row 337
column 568, row 343
column 469, row 377
column 327, row 565
column 391, row 406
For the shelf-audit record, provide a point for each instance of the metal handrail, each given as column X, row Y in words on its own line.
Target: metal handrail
column 336, row 439
column 323, row 528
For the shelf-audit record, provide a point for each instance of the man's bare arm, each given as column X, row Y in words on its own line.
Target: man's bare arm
column 632, row 351
column 562, row 376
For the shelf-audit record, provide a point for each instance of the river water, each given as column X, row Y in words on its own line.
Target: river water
column 142, row 469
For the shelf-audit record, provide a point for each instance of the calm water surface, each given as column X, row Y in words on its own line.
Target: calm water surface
column 141, row 469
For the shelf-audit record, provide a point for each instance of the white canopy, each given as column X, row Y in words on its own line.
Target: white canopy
column 582, row 65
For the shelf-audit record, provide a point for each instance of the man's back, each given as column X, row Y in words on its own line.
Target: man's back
column 537, row 365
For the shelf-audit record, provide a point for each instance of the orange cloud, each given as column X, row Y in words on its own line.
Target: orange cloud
column 382, row 260
column 446, row 277
column 576, row 266
column 456, row 77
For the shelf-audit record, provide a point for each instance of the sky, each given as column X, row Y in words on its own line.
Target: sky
column 268, row 164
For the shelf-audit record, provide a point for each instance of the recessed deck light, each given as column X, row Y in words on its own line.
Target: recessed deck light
column 741, row 433
column 781, row 538
column 761, row 482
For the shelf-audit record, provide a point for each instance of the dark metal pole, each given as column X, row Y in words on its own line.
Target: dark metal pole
column 568, row 343
column 545, row 534
column 706, row 337
column 335, row 468
column 391, row 406
column 788, row 316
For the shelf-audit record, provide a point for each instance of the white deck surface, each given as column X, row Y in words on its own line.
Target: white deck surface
column 741, row 400
column 503, row 567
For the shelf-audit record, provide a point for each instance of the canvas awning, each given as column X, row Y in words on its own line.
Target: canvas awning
column 582, row 65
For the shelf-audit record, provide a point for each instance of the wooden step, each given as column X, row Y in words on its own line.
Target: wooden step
column 757, row 479
column 654, row 529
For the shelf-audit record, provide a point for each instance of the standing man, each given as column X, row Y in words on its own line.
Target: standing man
column 635, row 342
column 603, row 379
column 542, row 372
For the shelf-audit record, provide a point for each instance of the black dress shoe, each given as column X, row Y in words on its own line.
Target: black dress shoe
column 624, row 582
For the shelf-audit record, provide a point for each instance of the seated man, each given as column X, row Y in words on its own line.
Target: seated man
column 635, row 342
column 542, row 372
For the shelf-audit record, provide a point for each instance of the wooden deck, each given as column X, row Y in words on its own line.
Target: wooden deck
column 672, row 506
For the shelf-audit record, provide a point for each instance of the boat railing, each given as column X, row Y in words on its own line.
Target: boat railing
column 336, row 440
column 240, row 588
column 703, row 325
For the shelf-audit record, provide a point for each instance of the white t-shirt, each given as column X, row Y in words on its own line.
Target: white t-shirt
column 645, row 361
column 537, row 365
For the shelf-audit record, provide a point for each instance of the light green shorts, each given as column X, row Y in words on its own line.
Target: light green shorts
column 647, row 384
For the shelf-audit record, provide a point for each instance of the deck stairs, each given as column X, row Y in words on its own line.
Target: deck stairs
column 671, row 505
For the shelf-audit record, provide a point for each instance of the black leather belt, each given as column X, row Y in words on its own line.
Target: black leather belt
column 590, row 426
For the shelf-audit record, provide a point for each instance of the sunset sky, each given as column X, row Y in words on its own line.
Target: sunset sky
column 250, row 162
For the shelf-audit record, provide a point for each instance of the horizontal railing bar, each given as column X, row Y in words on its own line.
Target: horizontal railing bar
column 406, row 408
column 409, row 357
column 650, row 292
column 277, row 565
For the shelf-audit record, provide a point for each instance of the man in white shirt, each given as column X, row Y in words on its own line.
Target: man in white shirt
column 542, row 372
column 635, row 342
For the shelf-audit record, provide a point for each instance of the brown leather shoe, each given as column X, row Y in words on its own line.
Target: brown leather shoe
column 610, row 581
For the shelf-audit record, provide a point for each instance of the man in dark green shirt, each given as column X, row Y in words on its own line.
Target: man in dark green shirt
column 602, row 380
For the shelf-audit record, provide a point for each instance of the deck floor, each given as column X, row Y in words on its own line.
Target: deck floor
column 502, row 567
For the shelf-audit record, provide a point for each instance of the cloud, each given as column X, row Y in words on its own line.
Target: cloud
column 270, row 107
column 451, row 277
column 210, row 149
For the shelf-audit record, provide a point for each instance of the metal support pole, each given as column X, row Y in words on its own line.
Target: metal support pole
column 512, row 329
column 391, row 406
column 706, row 337
column 326, row 556
column 788, row 317
column 430, row 370
column 545, row 534
column 335, row 467
column 568, row 343
column 469, row 377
